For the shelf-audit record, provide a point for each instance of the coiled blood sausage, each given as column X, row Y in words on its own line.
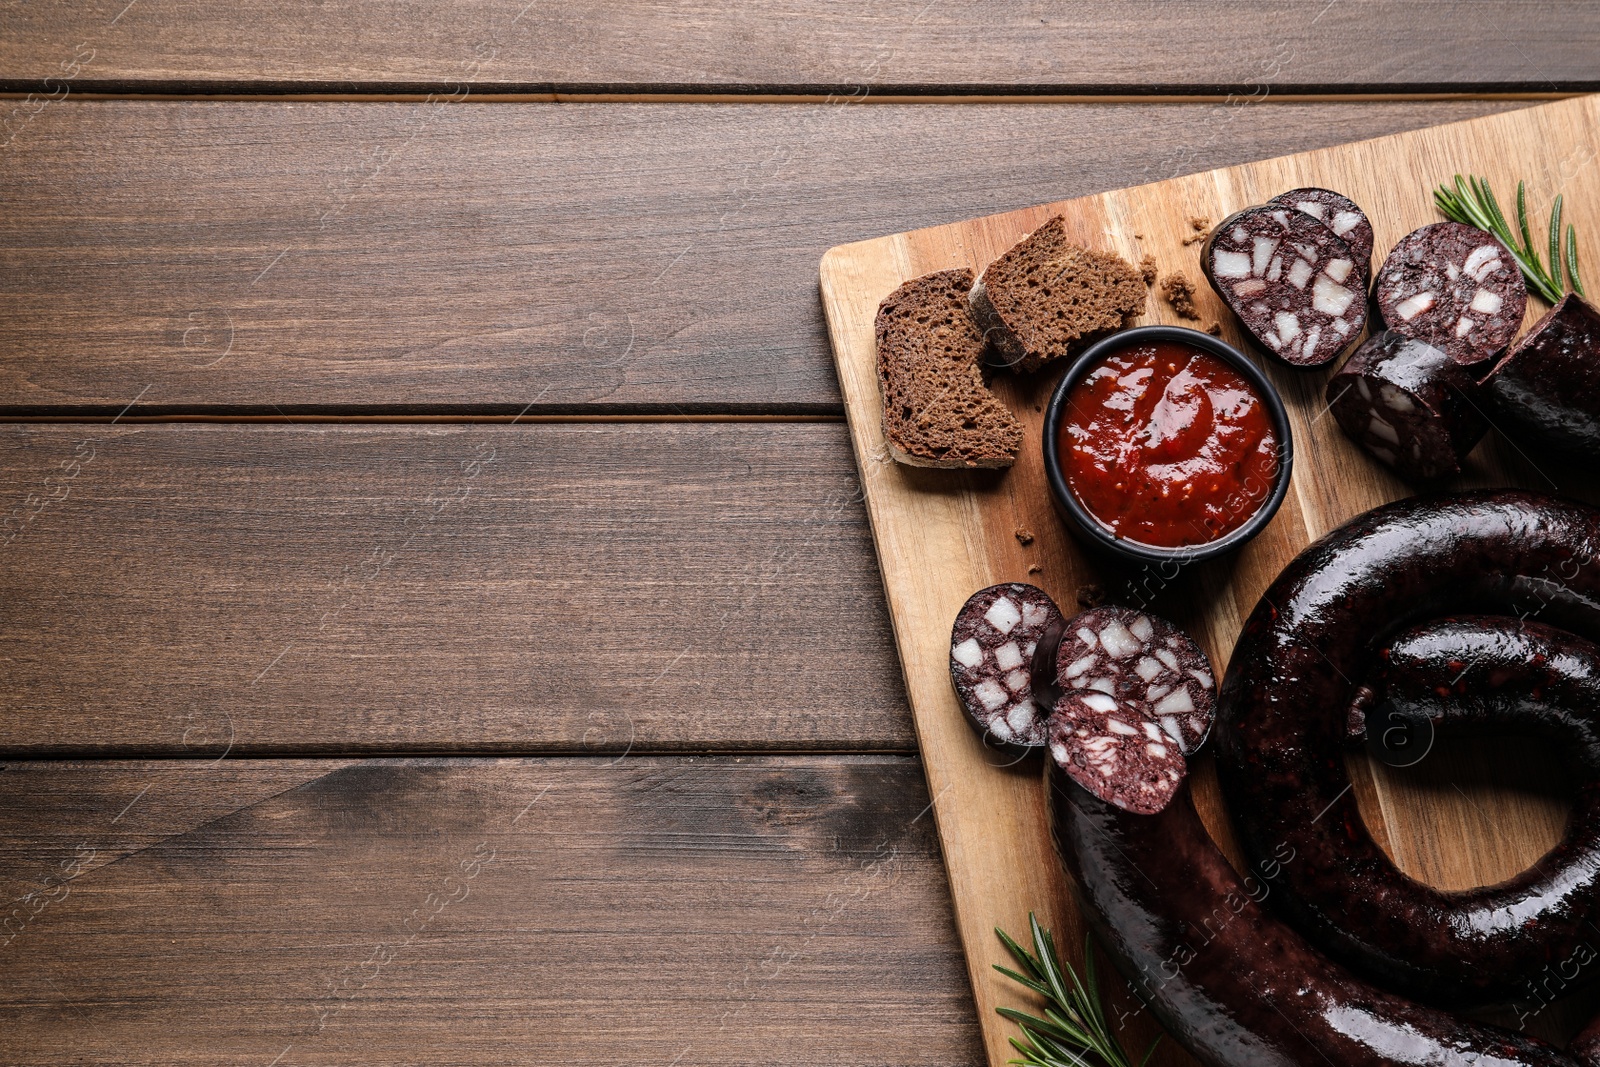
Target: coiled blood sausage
column 1285, row 705
column 1471, row 612
column 1232, row 982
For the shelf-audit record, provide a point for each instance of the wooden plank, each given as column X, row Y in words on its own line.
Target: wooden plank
column 940, row 535
column 297, row 258
column 649, row 910
column 80, row 816
column 807, row 47
column 210, row 588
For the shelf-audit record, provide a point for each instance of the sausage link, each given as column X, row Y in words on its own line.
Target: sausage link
column 1230, row 981
column 1284, row 714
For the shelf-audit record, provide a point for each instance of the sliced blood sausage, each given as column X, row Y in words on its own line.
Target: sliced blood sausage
column 1548, row 385
column 1283, row 717
column 1147, row 664
column 991, row 654
column 1292, row 281
column 1229, row 980
column 1115, row 752
column 1338, row 213
column 1409, row 404
column 1455, row 287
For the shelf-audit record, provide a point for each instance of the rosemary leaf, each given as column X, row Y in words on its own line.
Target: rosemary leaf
column 1522, row 214
column 1499, row 220
column 1572, row 261
column 1074, row 1031
column 1555, row 243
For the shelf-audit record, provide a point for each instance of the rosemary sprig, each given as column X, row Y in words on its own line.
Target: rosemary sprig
column 1471, row 201
column 1074, row 1025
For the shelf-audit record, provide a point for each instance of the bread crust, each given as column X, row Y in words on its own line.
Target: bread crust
column 937, row 410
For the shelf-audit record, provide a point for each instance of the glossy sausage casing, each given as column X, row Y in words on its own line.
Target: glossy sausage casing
column 1486, row 674
column 1231, row 982
column 1547, row 388
column 1283, row 717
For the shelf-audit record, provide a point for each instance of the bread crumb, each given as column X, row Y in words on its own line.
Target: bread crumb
column 1024, row 535
column 1214, row 328
column 1147, row 269
column 1179, row 292
column 1201, row 227
column 1090, row 596
column 1034, row 568
column 1138, row 237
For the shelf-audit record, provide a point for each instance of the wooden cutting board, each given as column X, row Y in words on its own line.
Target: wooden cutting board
column 1465, row 816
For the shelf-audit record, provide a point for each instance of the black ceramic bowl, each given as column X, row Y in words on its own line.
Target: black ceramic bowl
column 1090, row 530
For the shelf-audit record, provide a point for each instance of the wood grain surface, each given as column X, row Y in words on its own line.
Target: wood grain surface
column 812, row 46
column 61, row 820
column 216, row 592
column 341, row 258
column 575, row 911
column 941, row 534
column 196, row 589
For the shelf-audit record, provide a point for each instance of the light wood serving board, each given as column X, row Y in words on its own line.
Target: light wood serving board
column 943, row 534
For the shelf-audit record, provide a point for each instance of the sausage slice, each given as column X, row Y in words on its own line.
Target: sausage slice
column 1455, row 287
column 1338, row 213
column 1293, row 282
column 992, row 646
column 1147, row 664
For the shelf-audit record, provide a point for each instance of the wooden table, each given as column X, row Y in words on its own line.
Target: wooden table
column 439, row 623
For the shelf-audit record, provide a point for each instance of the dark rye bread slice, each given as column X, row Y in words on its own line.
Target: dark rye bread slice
column 936, row 410
column 1048, row 297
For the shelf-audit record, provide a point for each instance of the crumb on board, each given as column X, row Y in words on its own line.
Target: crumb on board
column 1179, row 292
column 1201, row 228
column 1138, row 237
column 1090, row 596
column 1024, row 535
column 1034, row 568
column 1147, row 269
column 1214, row 328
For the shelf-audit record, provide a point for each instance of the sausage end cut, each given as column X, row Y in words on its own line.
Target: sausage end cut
column 1115, row 752
column 1409, row 405
column 1548, row 385
column 992, row 646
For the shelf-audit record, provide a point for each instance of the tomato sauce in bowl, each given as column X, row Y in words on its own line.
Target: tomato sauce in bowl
column 1167, row 442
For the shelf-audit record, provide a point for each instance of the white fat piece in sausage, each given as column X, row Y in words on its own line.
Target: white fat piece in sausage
column 1415, row 304
column 1003, row 615
column 1482, row 262
column 1331, row 298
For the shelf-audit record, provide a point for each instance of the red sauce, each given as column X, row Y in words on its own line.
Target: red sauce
column 1167, row 445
